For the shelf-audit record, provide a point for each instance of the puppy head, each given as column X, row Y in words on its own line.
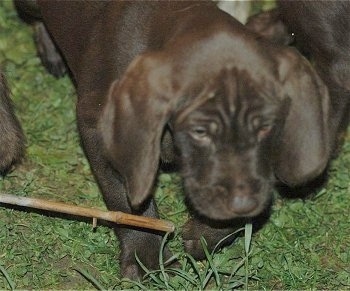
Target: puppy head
column 238, row 122
column 224, row 141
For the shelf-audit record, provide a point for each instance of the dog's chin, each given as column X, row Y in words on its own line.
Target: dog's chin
column 224, row 214
column 219, row 208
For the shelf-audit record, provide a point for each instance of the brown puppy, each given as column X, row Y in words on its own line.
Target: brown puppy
column 12, row 139
column 241, row 111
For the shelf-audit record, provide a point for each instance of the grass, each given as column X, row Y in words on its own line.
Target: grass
column 304, row 245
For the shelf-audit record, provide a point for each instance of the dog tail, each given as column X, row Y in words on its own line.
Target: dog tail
column 12, row 139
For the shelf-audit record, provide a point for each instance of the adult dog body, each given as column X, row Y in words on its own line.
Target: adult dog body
column 241, row 111
column 320, row 29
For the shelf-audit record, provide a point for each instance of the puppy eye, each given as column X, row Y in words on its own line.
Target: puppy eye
column 264, row 131
column 199, row 132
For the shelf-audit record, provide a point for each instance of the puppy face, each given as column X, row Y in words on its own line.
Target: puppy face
column 248, row 118
column 224, row 148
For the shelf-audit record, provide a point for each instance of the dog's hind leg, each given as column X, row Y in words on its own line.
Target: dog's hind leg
column 47, row 50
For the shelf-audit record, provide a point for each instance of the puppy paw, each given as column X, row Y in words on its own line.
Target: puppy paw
column 131, row 270
column 194, row 230
column 192, row 239
column 146, row 247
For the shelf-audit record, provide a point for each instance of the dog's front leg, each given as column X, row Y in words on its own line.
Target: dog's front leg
column 133, row 242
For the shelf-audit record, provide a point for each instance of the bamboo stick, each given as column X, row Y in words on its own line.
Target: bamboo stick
column 113, row 216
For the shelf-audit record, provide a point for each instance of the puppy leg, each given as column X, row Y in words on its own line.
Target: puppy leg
column 47, row 51
column 11, row 138
column 145, row 245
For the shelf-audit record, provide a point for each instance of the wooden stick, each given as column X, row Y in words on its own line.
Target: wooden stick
column 113, row 216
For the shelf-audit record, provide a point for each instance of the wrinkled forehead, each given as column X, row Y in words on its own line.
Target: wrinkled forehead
column 230, row 93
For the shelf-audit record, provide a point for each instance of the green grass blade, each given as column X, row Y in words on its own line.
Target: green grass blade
column 135, row 283
column 194, row 265
column 161, row 261
column 8, row 278
column 149, row 273
column 248, row 231
column 183, row 274
column 211, row 267
column 217, row 246
column 91, row 279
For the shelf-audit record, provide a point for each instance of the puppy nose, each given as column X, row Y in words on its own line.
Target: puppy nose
column 243, row 204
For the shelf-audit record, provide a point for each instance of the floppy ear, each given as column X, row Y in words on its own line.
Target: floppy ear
column 304, row 147
column 133, row 120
